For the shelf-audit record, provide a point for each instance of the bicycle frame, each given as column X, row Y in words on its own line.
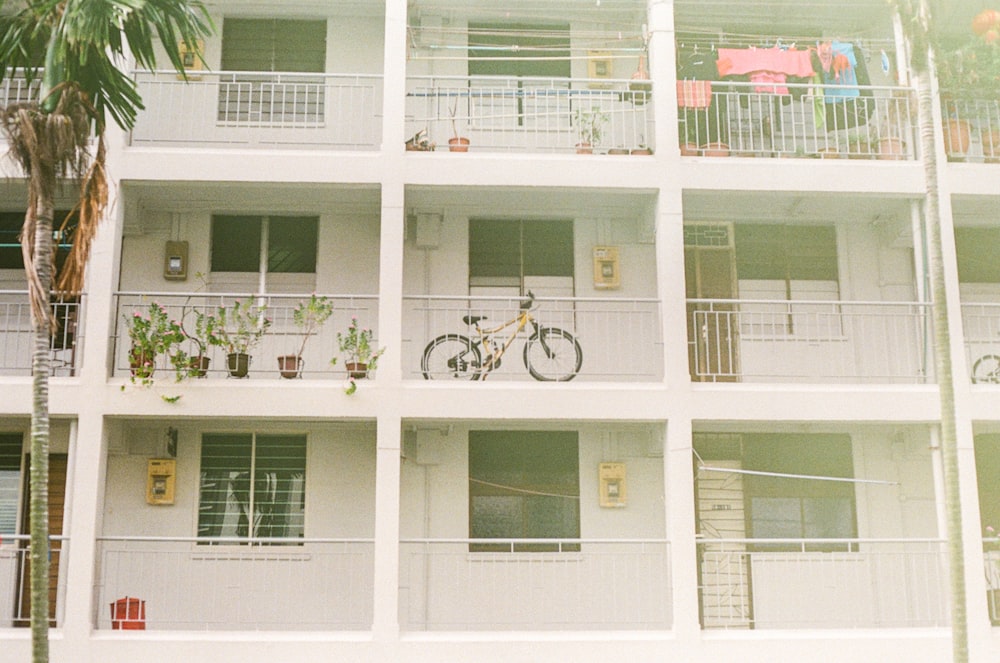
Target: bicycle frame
column 496, row 351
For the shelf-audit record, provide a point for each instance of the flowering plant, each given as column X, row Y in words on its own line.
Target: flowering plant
column 237, row 328
column 310, row 315
column 356, row 346
column 151, row 334
column 972, row 68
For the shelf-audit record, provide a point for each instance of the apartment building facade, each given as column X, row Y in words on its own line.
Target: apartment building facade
column 713, row 434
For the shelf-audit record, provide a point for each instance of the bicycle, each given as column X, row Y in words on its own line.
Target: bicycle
column 550, row 354
column 986, row 370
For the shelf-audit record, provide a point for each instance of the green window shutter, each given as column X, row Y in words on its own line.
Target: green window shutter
column 291, row 244
column 236, row 243
column 250, row 44
column 977, row 250
column 10, row 481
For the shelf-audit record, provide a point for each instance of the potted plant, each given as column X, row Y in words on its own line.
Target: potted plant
column 239, row 328
column 308, row 316
column 456, row 143
column 969, row 71
column 589, row 128
column 203, row 333
column 151, row 334
column 360, row 357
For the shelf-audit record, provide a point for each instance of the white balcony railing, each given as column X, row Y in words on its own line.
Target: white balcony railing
column 801, row 341
column 822, row 583
column 975, row 136
column 15, row 607
column 239, row 584
column 991, row 563
column 619, row 339
column 581, row 584
column 981, row 324
column 523, row 114
column 283, row 337
column 17, row 340
column 748, row 119
column 333, row 111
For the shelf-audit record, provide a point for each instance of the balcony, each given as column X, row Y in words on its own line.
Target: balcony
column 527, row 114
column 282, row 336
column 981, row 323
column 260, row 110
column 15, row 607
column 750, row 120
column 731, row 340
column 972, row 130
column 619, row 339
column 822, row 583
column 239, row 584
column 17, row 340
column 581, row 584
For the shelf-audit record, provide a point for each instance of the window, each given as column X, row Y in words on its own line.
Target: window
column 788, row 263
column 272, row 505
column 522, row 52
column 289, row 242
column 783, row 507
column 523, row 485
column 267, row 46
column 520, row 254
column 977, row 249
column 10, row 481
column 10, row 243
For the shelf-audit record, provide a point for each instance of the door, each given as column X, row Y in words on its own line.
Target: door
column 710, row 273
column 57, row 501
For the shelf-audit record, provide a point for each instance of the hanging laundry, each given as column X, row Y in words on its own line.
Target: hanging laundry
column 765, row 65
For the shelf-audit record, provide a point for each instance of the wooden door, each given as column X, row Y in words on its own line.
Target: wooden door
column 713, row 344
column 57, row 500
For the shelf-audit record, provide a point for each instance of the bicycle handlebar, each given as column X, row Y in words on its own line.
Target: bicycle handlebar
column 526, row 304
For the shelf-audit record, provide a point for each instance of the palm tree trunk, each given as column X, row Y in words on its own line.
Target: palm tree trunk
column 943, row 369
column 39, row 472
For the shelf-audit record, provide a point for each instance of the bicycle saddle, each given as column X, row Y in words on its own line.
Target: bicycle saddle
column 472, row 319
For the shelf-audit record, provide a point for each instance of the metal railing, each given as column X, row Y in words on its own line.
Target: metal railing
column 239, row 584
column 981, row 324
column 822, row 583
column 761, row 340
column 282, row 337
column 620, row 339
column 17, row 339
column 991, row 567
column 527, row 114
column 15, row 605
column 972, row 129
column 250, row 109
column 800, row 120
column 599, row 584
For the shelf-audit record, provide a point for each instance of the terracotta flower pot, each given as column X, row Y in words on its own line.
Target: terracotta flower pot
column 689, row 150
column 356, row 370
column 290, row 366
column 991, row 145
column 458, row 144
column 141, row 364
column 891, row 149
column 957, row 138
column 584, row 148
column 715, row 150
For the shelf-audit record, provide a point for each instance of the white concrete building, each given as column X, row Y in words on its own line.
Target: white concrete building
column 749, row 328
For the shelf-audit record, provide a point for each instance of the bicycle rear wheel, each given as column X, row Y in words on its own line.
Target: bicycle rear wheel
column 552, row 355
column 451, row 357
column 986, row 370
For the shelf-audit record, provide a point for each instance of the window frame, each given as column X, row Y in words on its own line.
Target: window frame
column 267, row 245
column 213, row 523
column 525, row 480
column 493, row 238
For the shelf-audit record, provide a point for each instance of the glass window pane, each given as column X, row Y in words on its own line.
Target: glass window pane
column 279, row 491
column 224, row 495
column 10, row 482
column 548, row 248
column 291, row 244
column 977, row 250
column 236, row 243
column 827, row 518
column 775, row 518
column 494, row 248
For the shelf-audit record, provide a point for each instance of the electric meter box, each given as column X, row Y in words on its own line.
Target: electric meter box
column 161, row 475
column 612, row 485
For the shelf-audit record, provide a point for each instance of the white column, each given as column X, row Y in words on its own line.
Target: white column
column 387, row 474
column 679, row 476
column 663, row 68
column 85, row 496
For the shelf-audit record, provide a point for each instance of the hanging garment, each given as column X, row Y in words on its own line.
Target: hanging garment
column 765, row 65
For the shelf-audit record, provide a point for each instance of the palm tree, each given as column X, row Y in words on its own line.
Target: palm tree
column 917, row 18
column 77, row 48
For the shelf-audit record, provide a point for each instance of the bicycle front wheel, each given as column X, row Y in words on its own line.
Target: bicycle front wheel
column 451, row 357
column 552, row 355
column 986, row 370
